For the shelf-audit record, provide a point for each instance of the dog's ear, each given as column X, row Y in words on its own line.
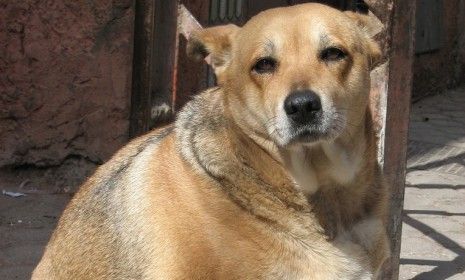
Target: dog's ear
column 213, row 44
column 371, row 26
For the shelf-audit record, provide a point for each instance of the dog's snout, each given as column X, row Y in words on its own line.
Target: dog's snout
column 301, row 106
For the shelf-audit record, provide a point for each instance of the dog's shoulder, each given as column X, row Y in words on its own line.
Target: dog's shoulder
column 108, row 175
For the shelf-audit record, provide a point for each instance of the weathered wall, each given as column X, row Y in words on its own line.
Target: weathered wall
column 444, row 68
column 65, row 79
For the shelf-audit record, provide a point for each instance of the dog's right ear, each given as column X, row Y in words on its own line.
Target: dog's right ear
column 213, row 44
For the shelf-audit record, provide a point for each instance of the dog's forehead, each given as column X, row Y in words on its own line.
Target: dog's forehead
column 308, row 22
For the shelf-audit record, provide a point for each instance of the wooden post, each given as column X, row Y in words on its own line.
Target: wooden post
column 397, row 109
column 164, row 62
column 159, row 59
column 154, row 66
column 142, row 67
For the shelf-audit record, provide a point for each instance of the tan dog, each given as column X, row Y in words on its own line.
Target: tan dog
column 271, row 175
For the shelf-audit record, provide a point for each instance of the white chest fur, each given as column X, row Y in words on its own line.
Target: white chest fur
column 340, row 164
column 344, row 164
column 303, row 172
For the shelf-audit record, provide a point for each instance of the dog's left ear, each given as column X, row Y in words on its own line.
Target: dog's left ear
column 214, row 45
column 371, row 27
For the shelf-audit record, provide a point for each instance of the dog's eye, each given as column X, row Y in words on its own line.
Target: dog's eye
column 332, row 54
column 265, row 65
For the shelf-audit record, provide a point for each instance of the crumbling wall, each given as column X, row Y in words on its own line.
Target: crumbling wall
column 65, row 79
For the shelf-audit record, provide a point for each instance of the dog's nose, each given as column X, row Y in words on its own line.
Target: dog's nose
column 301, row 106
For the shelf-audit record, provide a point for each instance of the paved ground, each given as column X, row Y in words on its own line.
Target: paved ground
column 433, row 240
column 25, row 227
column 433, row 243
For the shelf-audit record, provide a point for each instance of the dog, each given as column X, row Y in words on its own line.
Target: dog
column 272, row 174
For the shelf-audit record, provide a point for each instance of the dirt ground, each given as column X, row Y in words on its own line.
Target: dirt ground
column 433, row 241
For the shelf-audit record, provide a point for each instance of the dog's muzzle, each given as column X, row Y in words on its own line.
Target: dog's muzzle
column 303, row 107
column 304, row 112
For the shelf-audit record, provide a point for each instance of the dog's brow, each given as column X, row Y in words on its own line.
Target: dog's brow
column 269, row 46
column 324, row 41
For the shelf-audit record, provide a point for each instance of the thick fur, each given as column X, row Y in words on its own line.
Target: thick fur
column 219, row 196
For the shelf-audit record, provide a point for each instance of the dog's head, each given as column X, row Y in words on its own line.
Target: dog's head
column 293, row 75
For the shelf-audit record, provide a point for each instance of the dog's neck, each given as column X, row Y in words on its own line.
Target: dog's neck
column 333, row 163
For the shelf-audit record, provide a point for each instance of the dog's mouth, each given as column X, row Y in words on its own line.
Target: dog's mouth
column 324, row 128
column 306, row 136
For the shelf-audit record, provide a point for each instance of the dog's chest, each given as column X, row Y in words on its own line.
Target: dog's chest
column 328, row 166
column 305, row 263
column 311, row 168
column 303, row 173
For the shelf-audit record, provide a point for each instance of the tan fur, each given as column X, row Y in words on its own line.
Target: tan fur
column 223, row 194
